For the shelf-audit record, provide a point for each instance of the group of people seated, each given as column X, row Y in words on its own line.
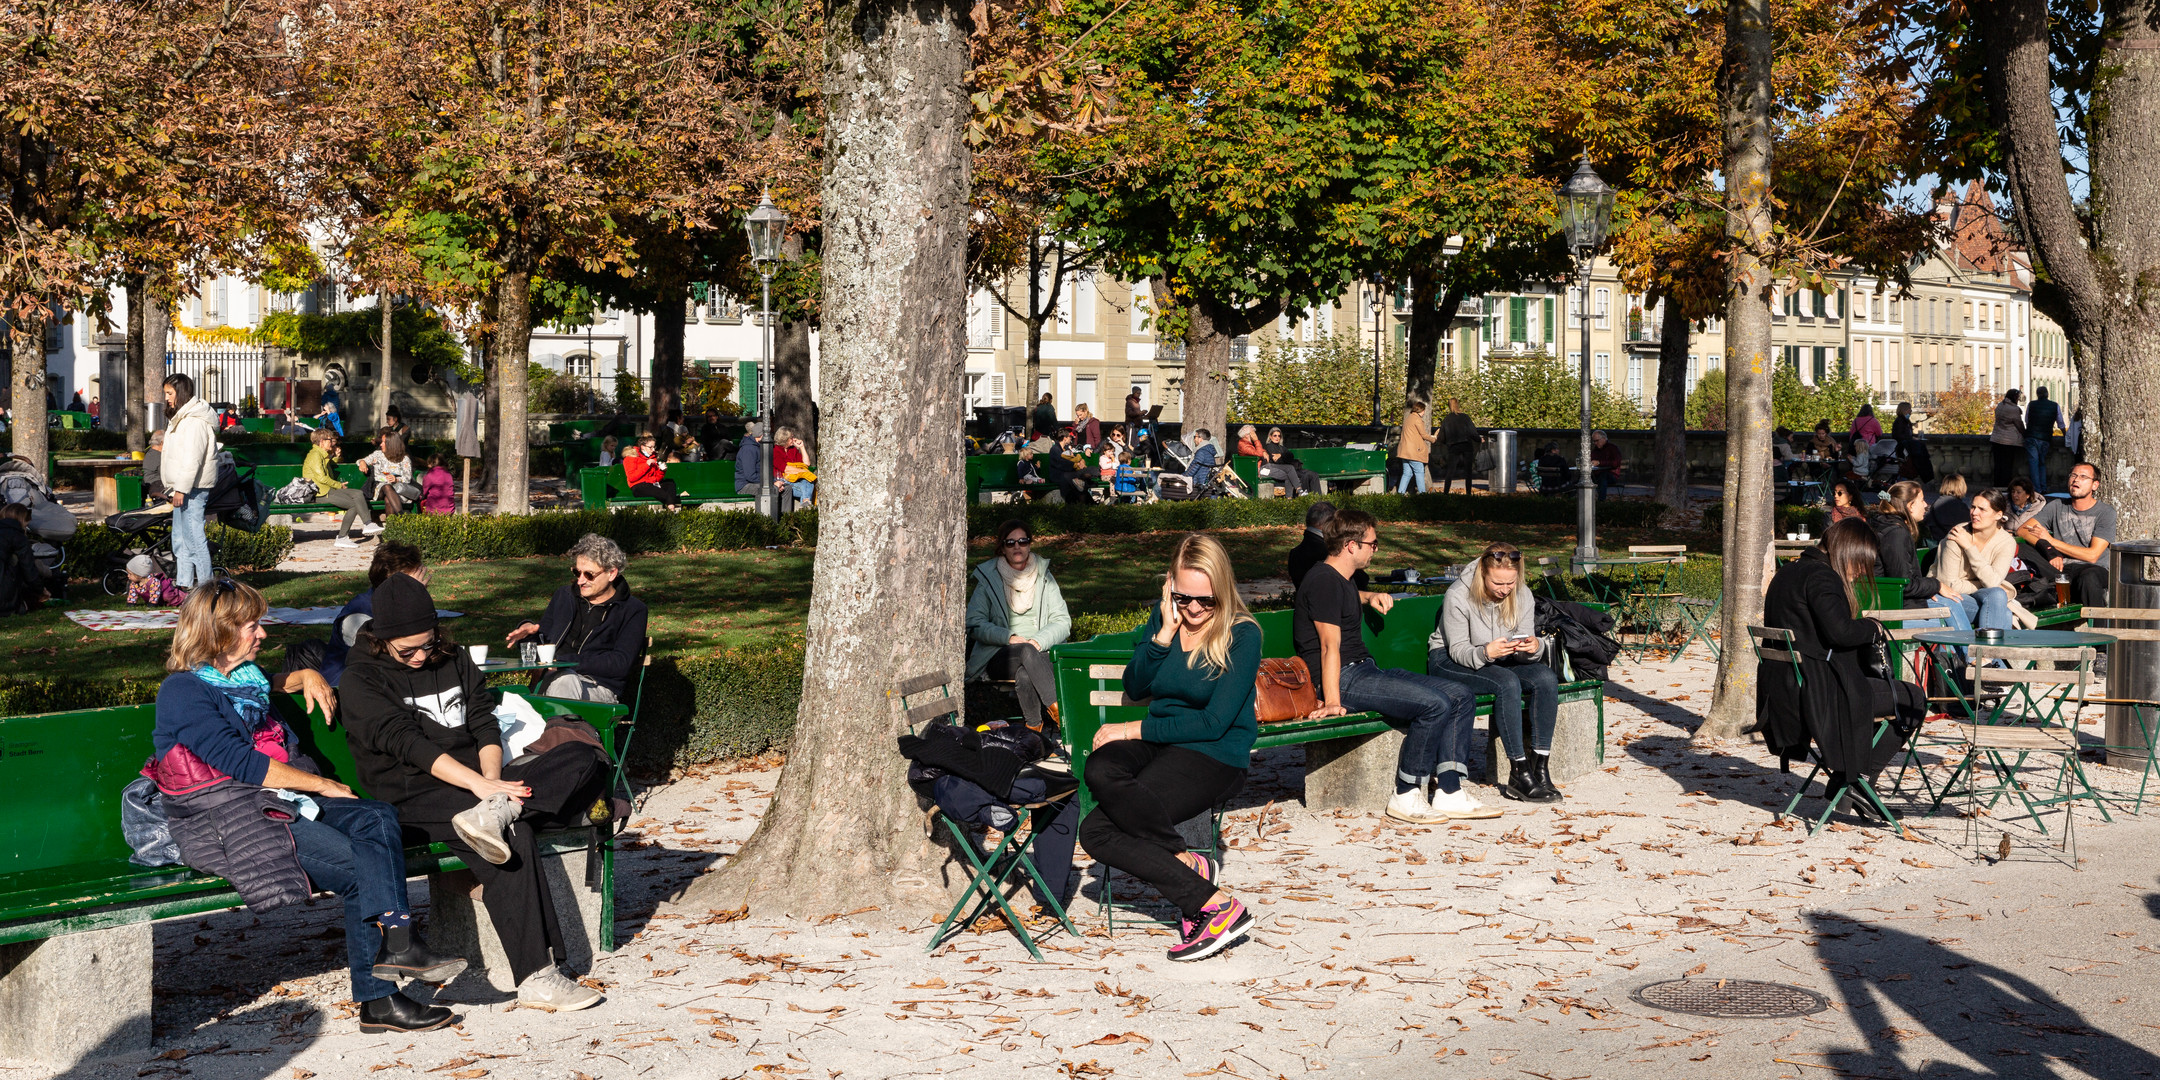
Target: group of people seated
column 645, row 464
column 243, row 802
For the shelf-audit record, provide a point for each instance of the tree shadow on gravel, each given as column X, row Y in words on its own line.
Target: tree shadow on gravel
column 1890, row 978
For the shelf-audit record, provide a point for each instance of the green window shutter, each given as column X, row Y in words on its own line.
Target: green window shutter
column 1518, row 319
column 1485, row 324
column 746, row 386
column 1552, row 330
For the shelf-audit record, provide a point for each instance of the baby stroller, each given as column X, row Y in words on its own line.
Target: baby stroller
column 51, row 525
column 148, row 532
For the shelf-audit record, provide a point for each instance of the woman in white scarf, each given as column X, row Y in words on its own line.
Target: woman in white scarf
column 1015, row 616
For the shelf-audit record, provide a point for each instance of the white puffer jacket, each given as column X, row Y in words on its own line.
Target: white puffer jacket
column 191, row 448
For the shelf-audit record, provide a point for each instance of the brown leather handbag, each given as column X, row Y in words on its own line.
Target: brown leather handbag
column 1284, row 690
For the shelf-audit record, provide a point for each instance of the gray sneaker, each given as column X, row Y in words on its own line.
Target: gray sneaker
column 548, row 988
column 483, row 826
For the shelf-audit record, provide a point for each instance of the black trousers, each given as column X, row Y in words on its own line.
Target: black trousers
column 2007, row 460
column 2088, row 582
column 565, row 781
column 665, row 491
column 1034, row 679
column 1142, row 790
column 1458, row 457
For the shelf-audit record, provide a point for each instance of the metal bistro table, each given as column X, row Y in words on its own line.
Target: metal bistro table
column 496, row 665
column 1937, row 641
column 1616, row 590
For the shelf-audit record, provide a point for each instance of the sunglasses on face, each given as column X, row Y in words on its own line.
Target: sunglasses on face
column 1207, row 603
column 1373, row 544
column 1504, row 556
column 583, row 575
column 1019, row 542
column 405, row 653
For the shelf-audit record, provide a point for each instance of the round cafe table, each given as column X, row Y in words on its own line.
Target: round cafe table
column 1936, row 641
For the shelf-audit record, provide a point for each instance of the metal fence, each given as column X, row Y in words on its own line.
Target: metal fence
column 222, row 375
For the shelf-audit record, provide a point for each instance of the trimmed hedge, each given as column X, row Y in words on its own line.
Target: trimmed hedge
column 1789, row 518
column 1199, row 515
column 453, row 537
column 27, row 697
column 87, row 549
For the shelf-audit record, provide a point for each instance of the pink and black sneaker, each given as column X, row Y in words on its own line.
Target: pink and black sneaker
column 1209, row 869
column 1225, row 922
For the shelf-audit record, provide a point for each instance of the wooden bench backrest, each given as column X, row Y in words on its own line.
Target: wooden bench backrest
column 2113, row 616
column 1904, row 615
column 61, row 774
column 1677, row 551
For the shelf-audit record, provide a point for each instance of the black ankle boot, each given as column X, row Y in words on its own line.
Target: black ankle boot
column 1541, row 785
column 404, row 956
column 1519, row 786
column 400, row 1013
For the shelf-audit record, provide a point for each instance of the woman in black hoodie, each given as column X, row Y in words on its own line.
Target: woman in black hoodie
column 421, row 724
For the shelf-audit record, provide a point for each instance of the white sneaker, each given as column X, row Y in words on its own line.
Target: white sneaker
column 1462, row 806
column 1411, row 806
column 345, row 542
column 482, row 827
column 548, row 988
column 370, row 529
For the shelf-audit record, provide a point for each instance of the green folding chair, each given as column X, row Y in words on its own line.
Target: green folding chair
column 2027, row 720
column 990, row 872
column 2143, row 714
column 1776, row 646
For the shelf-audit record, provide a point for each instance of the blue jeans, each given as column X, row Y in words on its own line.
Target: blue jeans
column 356, row 851
column 1438, row 715
column 2036, row 457
column 801, row 489
column 1411, row 469
column 191, row 546
column 1985, row 609
column 1510, row 682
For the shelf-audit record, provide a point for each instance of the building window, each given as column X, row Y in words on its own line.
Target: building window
column 1602, row 309
column 1518, row 320
column 1634, row 379
column 1603, row 364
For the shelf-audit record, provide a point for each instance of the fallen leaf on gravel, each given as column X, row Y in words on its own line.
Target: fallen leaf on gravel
column 299, row 1073
column 391, row 1065
column 727, row 916
column 1697, row 970
column 1114, row 1039
column 1209, row 1011
column 177, row 1053
column 662, row 973
column 468, row 1074
column 934, row 984
column 1088, row 1069
column 792, row 1007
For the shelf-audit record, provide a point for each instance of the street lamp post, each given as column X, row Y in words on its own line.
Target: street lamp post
column 1585, row 214
column 1379, row 309
column 766, row 226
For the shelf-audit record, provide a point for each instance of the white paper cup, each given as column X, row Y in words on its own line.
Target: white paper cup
column 547, row 654
column 479, row 653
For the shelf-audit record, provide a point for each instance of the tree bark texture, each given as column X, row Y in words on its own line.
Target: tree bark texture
column 389, row 347
column 138, row 417
column 1669, row 445
column 1744, row 103
column 1205, row 395
column 157, row 340
column 2100, row 286
column 28, row 389
column 667, row 354
column 513, row 351
column 1429, row 328
column 888, row 592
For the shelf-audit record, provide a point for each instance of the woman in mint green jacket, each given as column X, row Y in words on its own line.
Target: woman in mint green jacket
column 1014, row 618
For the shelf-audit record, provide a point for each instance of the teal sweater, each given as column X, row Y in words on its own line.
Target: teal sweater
column 1191, row 709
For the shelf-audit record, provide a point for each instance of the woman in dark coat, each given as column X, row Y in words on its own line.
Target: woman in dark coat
column 1836, row 705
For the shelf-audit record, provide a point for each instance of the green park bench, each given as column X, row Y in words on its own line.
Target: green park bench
column 72, row 421
column 75, row 913
column 698, row 481
column 260, row 425
column 1348, row 761
column 579, row 455
column 273, row 477
column 988, row 474
column 289, row 453
column 1334, row 465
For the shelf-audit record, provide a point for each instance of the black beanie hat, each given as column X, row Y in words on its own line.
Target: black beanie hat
column 402, row 608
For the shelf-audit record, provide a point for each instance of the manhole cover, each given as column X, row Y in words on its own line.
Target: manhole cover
column 1739, row 998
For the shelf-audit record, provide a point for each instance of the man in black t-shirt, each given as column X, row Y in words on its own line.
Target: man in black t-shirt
column 1438, row 714
column 1313, row 548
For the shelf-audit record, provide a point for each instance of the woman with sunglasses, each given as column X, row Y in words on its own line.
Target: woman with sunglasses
column 1487, row 640
column 1015, row 616
column 233, row 780
column 1196, row 662
column 420, row 720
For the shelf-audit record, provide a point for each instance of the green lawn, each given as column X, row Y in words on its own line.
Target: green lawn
column 703, row 601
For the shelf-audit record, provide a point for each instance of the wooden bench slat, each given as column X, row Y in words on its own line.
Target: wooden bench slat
column 1106, row 671
column 920, row 683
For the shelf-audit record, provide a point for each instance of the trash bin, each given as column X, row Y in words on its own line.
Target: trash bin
column 2133, row 666
column 1506, row 448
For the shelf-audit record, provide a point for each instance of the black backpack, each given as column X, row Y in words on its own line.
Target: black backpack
column 237, row 498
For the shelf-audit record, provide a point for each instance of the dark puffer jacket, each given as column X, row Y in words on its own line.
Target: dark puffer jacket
column 209, row 766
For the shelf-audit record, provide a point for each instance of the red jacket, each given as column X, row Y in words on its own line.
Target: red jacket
column 782, row 456
column 639, row 469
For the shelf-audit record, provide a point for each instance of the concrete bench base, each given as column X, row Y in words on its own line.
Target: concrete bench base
column 458, row 924
column 78, row 997
column 1358, row 773
column 1574, row 749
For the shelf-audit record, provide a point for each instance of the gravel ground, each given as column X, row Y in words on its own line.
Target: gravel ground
column 1496, row 948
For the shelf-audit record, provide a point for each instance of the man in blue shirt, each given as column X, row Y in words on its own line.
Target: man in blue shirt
column 1205, row 458
column 749, row 459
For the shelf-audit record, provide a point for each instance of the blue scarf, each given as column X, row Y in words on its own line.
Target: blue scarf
column 247, row 688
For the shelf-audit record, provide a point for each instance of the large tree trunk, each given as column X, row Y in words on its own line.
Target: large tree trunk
column 1430, row 325
column 138, row 417
column 844, row 831
column 28, row 387
column 667, row 354
column 1744, row 105
column 2097, row 283
column 157, row 340
column 513, row 350
column 1205, row 395
column 1670, row 443
column 793, row 402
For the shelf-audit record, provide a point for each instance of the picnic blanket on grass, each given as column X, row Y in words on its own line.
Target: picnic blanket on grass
column 169, row 618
